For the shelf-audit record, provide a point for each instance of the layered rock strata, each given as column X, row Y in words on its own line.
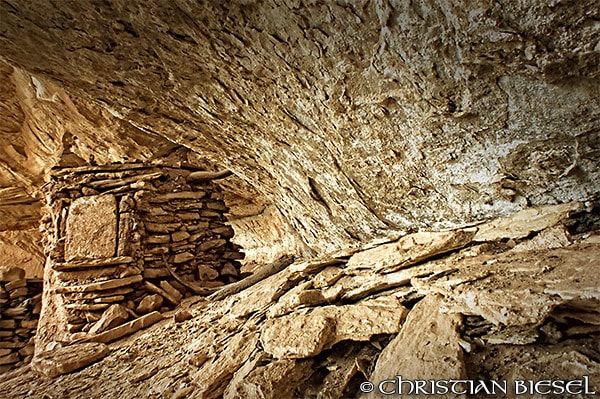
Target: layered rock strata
column 124, row 240
column 20, row 305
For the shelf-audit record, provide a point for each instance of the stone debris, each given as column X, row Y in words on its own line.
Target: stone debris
column 513, row 290
column 307, row 333
column 318, row 329
column 149, row 303
column 112, row 317
column 20, row 301
column 549, row 238
column 127, row 328
column 410, row 250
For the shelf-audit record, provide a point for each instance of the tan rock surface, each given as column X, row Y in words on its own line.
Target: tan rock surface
column 426, row 348
column 409, row 250
column 355, row 124
column 69, row 358
column 149, row 303
column 112, row 317
column 306, row 333
column 513, row 290
column 220, row 349
column 91, row 228
column 522, row 223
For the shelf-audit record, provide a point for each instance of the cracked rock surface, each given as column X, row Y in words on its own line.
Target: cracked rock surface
column 356, row 120
column 484, row 311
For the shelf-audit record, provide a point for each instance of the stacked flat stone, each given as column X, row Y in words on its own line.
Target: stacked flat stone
column 110, row 230
column 20, row 304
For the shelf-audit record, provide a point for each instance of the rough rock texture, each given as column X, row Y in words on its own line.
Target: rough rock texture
column 354, row 119
column 91, row 230
column 247, row 344
column 20, row 306
column 426, row 348
column 22, row 248
column 114, row 233
column 355, row 124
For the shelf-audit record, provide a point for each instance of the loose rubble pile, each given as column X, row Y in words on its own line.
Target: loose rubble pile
column 513, row 299
column 20, row 304
column 123, row 242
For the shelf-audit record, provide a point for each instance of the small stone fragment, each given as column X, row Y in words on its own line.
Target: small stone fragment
column 14, row 284
column 205, row 246
column 183, row 257
column 207, row 273
column 182, row 315
column 171, row 290
column 180, row 236
column 112, row 317
column 149, row 303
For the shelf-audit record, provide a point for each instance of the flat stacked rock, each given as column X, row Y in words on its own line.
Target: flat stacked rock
column 110, row 231
column 20, row 304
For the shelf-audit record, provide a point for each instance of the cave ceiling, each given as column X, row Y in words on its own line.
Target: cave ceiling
column 356, row 120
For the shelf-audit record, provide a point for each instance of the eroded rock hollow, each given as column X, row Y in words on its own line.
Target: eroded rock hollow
column 401, row 173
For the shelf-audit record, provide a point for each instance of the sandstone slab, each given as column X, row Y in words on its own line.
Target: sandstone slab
column 214, row 375
column 520, row 288
column 101, row 285
column 307, row 332
column 127, row 328
column 69, row 358
column 91, row 228
column 410, row 250
column 112, row 317
column 549, row 238
column 522, row 223
column 172, row 291
column 278, row 379
column 149, row 303
column 426, row 348
column 157, row 290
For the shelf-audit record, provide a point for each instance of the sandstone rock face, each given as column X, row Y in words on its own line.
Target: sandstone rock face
column 354, row 119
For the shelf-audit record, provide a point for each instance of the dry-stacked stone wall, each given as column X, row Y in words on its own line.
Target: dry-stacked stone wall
column 20, row 304
column 110, row 232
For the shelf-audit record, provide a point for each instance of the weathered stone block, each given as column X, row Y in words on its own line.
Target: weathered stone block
column 180, row 236
column 112, row 317
column 149, row 303
column 183, row 257
column 91, row 228
column 171, row 290
column 207, row 273
column 205, row 246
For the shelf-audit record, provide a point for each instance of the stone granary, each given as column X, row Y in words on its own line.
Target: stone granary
column 111, row 233
column 415, row 185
